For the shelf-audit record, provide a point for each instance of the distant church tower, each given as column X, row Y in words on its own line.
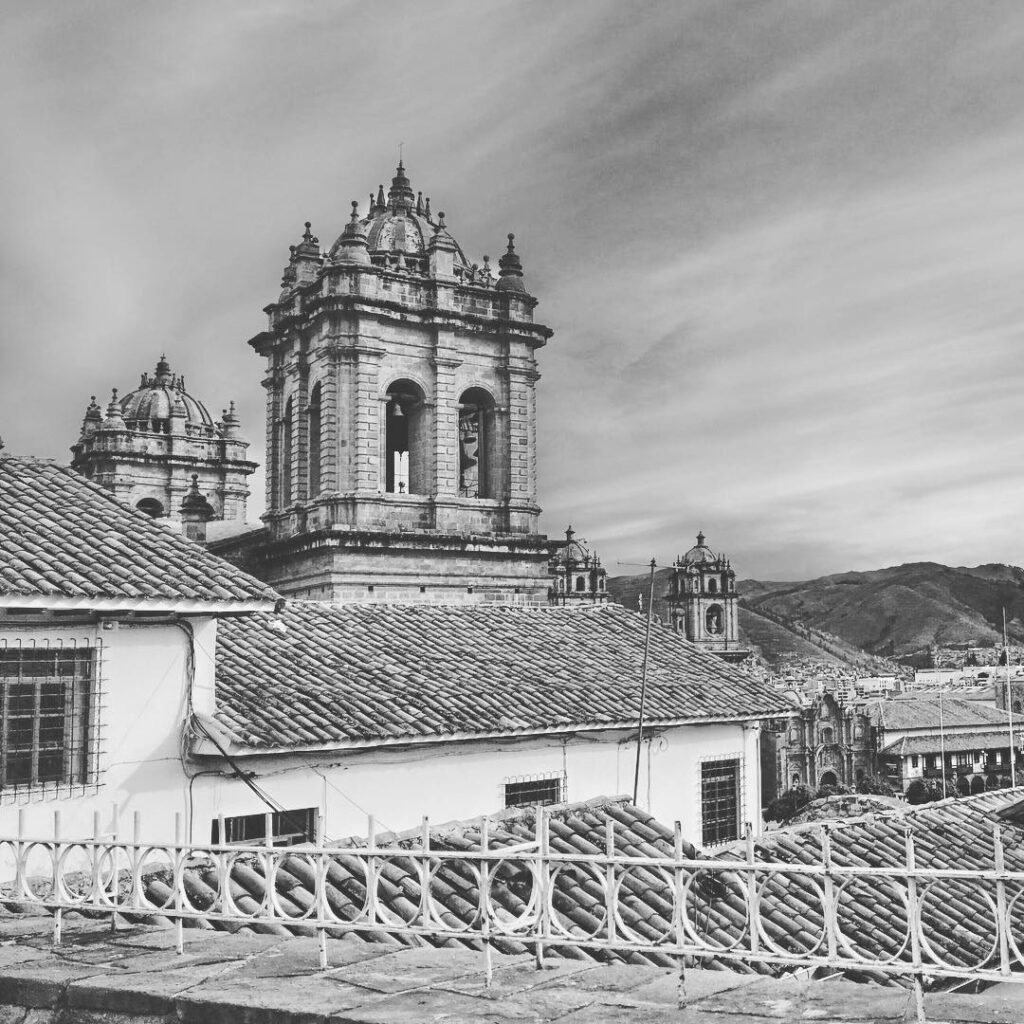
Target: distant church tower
column 158, row 444
column 401, row 417
column 703, row 601
column 577, row 575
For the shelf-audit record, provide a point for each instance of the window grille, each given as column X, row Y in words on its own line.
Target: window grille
column 288, row 828
column 534, row 790
column 720, row 801
column 48, row 718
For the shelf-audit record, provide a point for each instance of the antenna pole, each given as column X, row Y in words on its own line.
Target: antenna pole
column 942, row 744
column 643, row 686
column 1009, row 705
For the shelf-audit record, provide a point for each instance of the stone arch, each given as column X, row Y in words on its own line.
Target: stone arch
column 828, row 778
column 712, row 586
column 286, row 434
column 406, row 439
column 714, row 620
column 477, row 444
column 978, row 784
column 314, row 420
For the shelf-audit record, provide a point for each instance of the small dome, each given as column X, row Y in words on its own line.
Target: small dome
column 161, row 396
column 700, row 554
column 400, row 224
column 573, row 552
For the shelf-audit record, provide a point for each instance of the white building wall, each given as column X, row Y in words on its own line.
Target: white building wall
column 144, row 701
column 446, row 782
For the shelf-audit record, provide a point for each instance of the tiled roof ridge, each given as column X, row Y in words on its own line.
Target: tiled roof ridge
column 558, row 812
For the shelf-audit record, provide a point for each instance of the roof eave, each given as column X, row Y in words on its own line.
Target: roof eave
column 201, row 747
column 151, row 605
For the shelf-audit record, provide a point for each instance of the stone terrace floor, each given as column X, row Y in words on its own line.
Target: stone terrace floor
column 134, row 976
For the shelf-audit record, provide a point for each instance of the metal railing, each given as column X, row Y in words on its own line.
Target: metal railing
column 766, row 915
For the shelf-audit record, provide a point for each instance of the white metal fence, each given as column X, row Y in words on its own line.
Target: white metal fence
column 529, row 895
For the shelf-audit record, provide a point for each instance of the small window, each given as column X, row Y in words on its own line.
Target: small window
column 913, row 761
column 827, row 736
column 288, row 828
column 720, row 801
column 46, row 703
column 581, row 584
column 530, row 791
column 712, row 586
column 151, row 507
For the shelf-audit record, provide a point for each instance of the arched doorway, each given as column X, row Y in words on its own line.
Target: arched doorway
column 828, row 779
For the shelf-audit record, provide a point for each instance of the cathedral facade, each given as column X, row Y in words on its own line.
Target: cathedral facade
column 159, row 444
column 401, row 417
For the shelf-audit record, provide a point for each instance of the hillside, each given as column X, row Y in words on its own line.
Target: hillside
column 771, row 638
column 901, row 610
column 897, row 612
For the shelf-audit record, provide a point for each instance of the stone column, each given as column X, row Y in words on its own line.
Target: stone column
column 445, row 419
column 368, row 422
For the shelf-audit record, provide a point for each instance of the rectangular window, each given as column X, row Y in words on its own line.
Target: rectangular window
column 46, row 698
column 288, row 828
column 913, row 761
column 529, row 791
column 720, row 801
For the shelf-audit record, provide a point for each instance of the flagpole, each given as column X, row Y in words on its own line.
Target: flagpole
column 1009, row 705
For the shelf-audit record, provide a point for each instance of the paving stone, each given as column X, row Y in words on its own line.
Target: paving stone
column 1002, row 1004
column 40, row 983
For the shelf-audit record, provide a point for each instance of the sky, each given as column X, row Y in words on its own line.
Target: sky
column 781, row 245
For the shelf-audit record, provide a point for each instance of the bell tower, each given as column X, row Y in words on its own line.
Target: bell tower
column 401, row 416
column 703, row 601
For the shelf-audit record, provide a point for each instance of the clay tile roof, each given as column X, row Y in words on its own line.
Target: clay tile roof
column 62, row 536
column 374, row 673
column 950, row 742
column 924, row 713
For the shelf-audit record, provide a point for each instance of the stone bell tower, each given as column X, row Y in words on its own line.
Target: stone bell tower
column 401, row 416
column 703, row 601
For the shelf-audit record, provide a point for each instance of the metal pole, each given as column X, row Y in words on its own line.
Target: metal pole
column 643, row 686
column 942, row 745
column 1009, row 706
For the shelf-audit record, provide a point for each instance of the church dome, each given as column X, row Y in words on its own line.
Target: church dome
column 699, row 554
column 161, row 397
column 402, row 224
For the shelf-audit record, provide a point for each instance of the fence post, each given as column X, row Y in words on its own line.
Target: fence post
column 680, row 912
column 115, row 831
column 58, row 916
column 914, row 923
column 136, row 860
column 321, row 893
column 830, row 919
column 179, row 885
column 543, row 887
column 1002, row 918
column 609, row 877
column 753, row 905
column 485, row 920
column 371, row 875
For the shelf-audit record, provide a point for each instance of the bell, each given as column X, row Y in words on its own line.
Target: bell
column 396, row 408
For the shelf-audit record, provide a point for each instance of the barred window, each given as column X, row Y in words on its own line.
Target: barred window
column 47, row 697
column 529, row 791
column 720, row 801
column 287, row 828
